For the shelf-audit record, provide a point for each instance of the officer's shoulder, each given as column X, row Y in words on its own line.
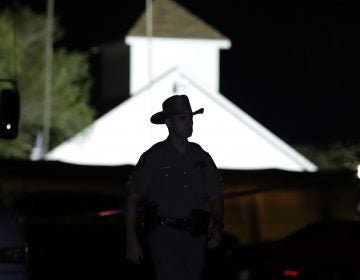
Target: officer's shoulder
column 154, row 149
column 198, row 148
column 150, row 156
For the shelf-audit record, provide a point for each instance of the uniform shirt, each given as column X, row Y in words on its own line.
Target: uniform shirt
column 177, row 182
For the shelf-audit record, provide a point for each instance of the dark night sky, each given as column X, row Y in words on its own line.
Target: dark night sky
column 293, row 65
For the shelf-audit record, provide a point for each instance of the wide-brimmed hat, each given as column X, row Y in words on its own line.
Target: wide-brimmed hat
column 174, row 105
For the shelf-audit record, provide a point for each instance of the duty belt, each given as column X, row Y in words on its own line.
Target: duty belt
column 197, row 224
column 195, row 227
column 179, row 223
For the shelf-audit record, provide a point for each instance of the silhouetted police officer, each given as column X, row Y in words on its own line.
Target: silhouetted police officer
column 179, row 180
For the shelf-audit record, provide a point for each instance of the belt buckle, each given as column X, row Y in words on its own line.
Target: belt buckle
column 168, row 221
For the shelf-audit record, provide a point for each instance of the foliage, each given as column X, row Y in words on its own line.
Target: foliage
column 22, row 48
column 337, row 155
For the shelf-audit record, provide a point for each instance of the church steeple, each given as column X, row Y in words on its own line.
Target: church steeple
column 179, row 39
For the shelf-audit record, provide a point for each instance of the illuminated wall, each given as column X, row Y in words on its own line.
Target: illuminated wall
column 150, row 58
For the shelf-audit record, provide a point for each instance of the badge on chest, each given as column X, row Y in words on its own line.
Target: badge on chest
column 165, row 170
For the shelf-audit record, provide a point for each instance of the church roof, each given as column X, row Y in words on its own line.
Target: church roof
column 171, row 20
column 233, row 138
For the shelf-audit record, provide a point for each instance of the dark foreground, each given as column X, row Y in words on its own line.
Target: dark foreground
column 81, row 252
column 324, row 250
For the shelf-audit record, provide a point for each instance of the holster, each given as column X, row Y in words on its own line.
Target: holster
column 201, row 222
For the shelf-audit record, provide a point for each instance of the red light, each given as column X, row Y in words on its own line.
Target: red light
column 108, row 213
column 290, row 273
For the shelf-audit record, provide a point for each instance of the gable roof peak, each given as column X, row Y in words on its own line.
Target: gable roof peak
column 171, row 20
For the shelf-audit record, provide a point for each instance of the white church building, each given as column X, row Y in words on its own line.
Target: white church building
column 172, row 51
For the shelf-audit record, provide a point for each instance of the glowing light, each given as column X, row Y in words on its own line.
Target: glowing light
column 358, row 171
column 8, row 126
column 109, row 213
column 290, row 273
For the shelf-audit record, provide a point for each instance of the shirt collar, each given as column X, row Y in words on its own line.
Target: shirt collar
column 170, row 148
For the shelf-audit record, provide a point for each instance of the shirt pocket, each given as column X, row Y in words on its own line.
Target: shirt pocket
column 164, row 171
column 196, row 180
column 163, row 176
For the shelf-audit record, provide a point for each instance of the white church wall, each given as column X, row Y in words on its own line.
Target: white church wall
column 198, row 57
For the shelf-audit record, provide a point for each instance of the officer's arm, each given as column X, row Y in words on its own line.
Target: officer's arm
column 217, row 226
column 137, row 185
column 130, row 215
column 217, row 211
column 134, row 252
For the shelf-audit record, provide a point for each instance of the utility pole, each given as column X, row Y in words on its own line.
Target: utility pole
column 48, row 76
column 149, row 35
